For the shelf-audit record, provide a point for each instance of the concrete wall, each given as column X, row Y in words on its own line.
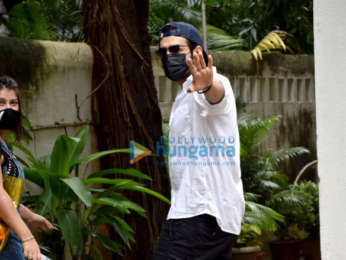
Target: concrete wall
column 51, row 104
column 330, row 37
column 280, row 85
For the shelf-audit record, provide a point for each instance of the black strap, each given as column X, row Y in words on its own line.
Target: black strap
column 204, row 90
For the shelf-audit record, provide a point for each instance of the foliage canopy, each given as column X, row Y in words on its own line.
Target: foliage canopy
column 244, row 19
column 232, row 24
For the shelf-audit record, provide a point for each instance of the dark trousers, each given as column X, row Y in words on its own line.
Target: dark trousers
column 196, row 238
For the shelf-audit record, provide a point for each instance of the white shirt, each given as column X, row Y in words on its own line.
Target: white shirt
column 204, row 158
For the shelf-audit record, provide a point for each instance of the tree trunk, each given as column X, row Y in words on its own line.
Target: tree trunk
column 125, row 105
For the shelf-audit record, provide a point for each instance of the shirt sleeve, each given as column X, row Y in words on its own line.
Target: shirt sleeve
column 223, row 107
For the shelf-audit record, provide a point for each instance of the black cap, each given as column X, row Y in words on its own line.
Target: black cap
column 182, row 29
column 185, row 30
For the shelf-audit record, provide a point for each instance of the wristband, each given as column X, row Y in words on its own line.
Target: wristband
column 204, row 90
column 28, row 239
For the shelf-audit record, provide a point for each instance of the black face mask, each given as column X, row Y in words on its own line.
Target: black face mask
column 175, row 66
column 9, row 118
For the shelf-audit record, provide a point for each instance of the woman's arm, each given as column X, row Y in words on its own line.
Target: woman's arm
column 10, row 215
column 35, row 221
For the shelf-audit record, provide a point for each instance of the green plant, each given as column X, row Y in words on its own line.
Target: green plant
column 65, row 19
column 260, row 174
column 59, row 20
column 261, row 177
column 299, row 204
column 81, row 205
column 218, row 39
column 162, row 12
column 252, row 20
column 272, row 42
column 257, row 219
column 26, row 20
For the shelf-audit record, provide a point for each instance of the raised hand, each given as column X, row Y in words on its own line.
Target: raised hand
column 202, row 74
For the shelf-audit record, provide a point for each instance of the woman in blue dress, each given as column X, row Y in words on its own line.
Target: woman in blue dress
column 21, row 243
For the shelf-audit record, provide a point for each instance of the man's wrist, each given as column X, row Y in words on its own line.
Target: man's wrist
column 203, row 91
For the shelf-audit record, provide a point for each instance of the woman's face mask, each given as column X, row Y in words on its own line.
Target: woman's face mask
column 9, row 118
column 175, row 66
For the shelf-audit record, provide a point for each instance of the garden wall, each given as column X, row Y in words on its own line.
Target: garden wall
column 280, row 85
column 51, row 88
column 52, row 107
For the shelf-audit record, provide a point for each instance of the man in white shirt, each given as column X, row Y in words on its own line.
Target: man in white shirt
column 207, row 203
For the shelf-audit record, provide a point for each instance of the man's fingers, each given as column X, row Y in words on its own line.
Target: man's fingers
column 196, row 61
column 190, row 65
column 201, row 59
column 210, row 62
